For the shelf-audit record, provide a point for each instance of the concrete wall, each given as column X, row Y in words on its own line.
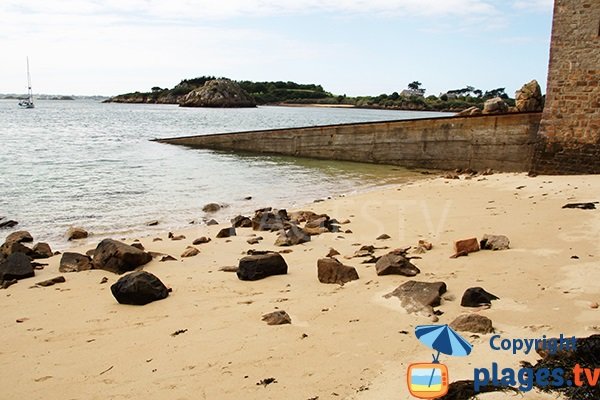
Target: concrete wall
column 501, row 142
column 569, row 139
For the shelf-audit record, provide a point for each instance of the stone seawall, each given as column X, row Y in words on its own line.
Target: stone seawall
column 501, row 142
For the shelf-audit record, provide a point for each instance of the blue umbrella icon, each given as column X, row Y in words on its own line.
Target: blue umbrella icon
column 443, row 339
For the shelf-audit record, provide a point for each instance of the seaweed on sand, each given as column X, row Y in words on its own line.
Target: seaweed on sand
column 586, row 355
column 465, row 390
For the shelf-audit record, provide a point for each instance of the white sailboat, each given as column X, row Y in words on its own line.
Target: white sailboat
column 28, row 103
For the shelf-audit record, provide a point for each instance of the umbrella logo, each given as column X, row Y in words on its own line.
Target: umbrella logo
column 430, row 380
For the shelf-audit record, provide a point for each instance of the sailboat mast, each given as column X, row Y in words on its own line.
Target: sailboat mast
column 30, row 92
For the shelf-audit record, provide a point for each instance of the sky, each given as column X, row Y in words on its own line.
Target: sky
column 352, row 47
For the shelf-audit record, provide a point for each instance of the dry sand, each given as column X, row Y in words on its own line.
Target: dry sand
column 345, row 342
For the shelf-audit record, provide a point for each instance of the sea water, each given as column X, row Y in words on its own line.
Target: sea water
column 89, row 164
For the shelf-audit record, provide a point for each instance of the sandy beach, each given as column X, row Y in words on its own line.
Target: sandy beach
column 75, row 341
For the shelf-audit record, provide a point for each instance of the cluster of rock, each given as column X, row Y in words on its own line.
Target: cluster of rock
column 527, row 99
column 489, row 242
column 16, row 257
column 219, row 93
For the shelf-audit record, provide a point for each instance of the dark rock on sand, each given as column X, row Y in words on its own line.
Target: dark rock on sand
column 226, row 232
column 332, row 253
column 75, row 233
column 175, row 237
column 330, row 270
column 241, row 222
column 477, row 297
column 494, row 242
column 383, row 236
column 293, row 236
column 16, row 266
column 138, row 245
column 139, row 288
column 464, row 247
column 260, row 265
column 254, row 240
column 582, row 206
column 419, row 296
column 51, row 282
column 190, row 252
column 279, row 317
column 201, row 240
column 211, row 222
column 41, row 250
column 74, row 262
column 152, row 223
column 167, row 258
column 394, row 264
column 114, row 256
column 474, row 323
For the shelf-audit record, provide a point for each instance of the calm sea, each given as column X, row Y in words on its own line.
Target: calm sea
column 90, row 164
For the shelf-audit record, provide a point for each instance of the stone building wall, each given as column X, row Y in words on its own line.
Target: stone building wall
column 569, row 137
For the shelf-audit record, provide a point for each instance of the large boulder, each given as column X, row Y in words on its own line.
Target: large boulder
column 114, row 256
column 474, row 110
column 74, row 262
column 139, row 288
column 419, row 296
column 261, row 265
column 20, row 237
column 529, row 98
column 330, row 270
column 495, row 106
column 41, row 250
column 394, row 264
column 220, row 93
column 9, row 248
column 16, row 266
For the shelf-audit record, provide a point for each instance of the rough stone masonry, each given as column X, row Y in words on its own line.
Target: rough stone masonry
column 569, row 136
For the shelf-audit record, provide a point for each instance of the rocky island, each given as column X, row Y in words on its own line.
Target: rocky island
column 219, row 93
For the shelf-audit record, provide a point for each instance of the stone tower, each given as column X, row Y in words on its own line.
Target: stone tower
column 569, row 137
